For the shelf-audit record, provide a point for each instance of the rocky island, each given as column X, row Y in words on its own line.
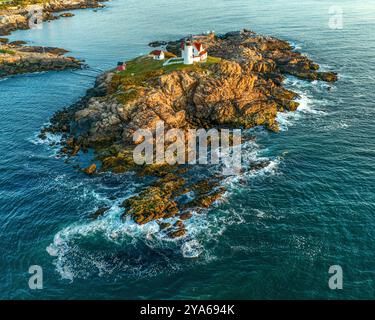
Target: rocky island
column 16, row 58
column 239, row 85
column 15, row 17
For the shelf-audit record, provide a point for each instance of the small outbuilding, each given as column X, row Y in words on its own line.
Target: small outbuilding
column 158, row 54
column 121, row 66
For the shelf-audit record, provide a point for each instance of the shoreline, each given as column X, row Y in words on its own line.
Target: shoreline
column 18, row 58
column 17, row 18
column 240, row 86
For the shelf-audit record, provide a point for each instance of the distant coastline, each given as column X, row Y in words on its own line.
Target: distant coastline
column 16, row 17
column 15, row 57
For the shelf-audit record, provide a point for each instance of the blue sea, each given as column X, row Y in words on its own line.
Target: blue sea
column 276, row 232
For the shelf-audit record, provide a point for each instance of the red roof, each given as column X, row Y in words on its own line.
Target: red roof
column 198, row 46
column 202, row 53
column 156, row 52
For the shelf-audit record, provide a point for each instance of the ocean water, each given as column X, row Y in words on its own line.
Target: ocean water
column 277, row 231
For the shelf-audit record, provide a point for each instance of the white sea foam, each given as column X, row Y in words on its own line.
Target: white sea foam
column 295, row 45
column 74, row 260
column 50, row 139
column 69, row 252
column 306, row 246
column 307, row 104
column 191, row 249
column 110, row 227
column 336, row 125
column 262, row 215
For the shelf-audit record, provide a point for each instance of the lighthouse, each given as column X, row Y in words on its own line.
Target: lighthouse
column 187, row 52
column 193, row 51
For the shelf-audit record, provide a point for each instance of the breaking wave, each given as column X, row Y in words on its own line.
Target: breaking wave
column 308, row 103
column 110, row 246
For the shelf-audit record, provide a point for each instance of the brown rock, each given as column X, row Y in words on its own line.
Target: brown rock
column 177, row 234
column 90, row 169
column 17, row 43
column 164, row 225
column 156, row 44
column 98, row 213
column 75, row 151
column 179, row 224
column 67, row 15
column 259, row 165
column 186, row 216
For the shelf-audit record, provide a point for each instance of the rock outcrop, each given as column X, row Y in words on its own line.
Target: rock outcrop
column 261, row 54
column 241, row 87
column 17, row 59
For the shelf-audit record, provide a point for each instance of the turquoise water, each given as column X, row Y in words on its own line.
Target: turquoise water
column 276, row 233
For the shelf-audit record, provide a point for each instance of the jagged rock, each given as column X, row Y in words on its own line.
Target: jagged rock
column 153, row 203
column 16, row 59
column 90, row 169
column 17, row 43
column 177, row 234
column 156, row 44
column 259, row 165
column 67, row 15
column 186, row 216
column 179, row 224
column 164, row 225
column 40, row 49
column 98, row 213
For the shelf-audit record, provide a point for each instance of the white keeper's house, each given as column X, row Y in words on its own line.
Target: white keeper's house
column 158, row 55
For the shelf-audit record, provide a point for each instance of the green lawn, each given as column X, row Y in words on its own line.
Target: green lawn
column 147, row 64
column 141, row 65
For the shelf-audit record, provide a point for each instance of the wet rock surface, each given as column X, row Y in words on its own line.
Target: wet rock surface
column 99, row 213
column 66, row 15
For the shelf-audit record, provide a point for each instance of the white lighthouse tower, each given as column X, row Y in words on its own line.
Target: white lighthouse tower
column 187, row 53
